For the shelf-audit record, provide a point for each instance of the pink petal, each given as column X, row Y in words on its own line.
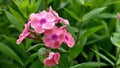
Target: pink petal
column 53, row 12
column 56, row 45
column 27, row 26
column 22, row 37
column 59, row 19
column 43, row 14
column 47, row 41
column 69, row 40
column 50, row 17
column 24, row 33
column 56, row 58
column 48, row 32
column 39, row 29
column 52, row 59
column 63, row 20
column 48, row 25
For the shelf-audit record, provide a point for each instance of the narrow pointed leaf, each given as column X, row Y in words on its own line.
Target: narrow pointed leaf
column 110, row 55
column 31, row 58
column 103, row 56
column 14, row 21
column 72, row 14
column 92, row 13
column 75, row 51
column 32, row 47
column 89, row 65
column 9, row 52
column 91, row 31
column 17, row 15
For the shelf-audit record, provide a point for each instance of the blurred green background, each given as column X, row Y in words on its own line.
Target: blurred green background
column 93, row 24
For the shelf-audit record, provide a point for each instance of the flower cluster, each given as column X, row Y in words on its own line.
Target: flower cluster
column 46, row 23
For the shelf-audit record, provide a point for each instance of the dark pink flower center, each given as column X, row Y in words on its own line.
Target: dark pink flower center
column 54, row 37
column 66, row 37
column 42, row 21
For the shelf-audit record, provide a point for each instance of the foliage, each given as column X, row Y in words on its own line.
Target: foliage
column 94, row 26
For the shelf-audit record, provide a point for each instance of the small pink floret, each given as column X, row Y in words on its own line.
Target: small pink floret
column 53, row 38
column 52, row 59
column 42, row 21
column 68, row 39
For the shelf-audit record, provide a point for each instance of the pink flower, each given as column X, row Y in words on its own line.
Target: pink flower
column 58, row 19
column 68, row 39
column 52, row 59
column 53, row 38
column 42, row 21
column 24, row 34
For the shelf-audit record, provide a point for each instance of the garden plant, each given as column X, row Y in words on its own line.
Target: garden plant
column 59, row 33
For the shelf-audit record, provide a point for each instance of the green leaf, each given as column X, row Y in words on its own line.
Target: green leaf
column 14, row 21
column 38, row 4
column 69, row 28
column 92, row 13
column 1, row 12
column 50, row 66
column 36, row 64
column 89, row 65
column 115, row 41
column 17, row 2
column 105, row 27
column 107, row 15
column 13, row 42
column 107, row 3
column 74, row 51
column 61, row 49
column 11, row 39
column 17, row 15
column 9, row 52
column 31, row 58
column 64, row 61
column 82, row 1
column 9, row 64
column 110, row 55
column 23, row 7
column 103, row 56
column 72, row 14
column 74, row 29
column 32, row 7
column 91, row 31
column 32, row 47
